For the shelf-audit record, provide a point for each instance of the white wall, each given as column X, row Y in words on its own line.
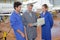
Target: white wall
column 55, row 2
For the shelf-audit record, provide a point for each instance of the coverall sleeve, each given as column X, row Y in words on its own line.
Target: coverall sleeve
column 13, row 23
column 51, row 20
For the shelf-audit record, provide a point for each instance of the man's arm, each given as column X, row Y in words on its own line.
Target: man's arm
column 25, row 33
column 22, row 34
column 14, row 25
column 51, row 20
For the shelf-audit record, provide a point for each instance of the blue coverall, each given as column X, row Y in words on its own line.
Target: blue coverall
column 46, row 28
column 16, row 23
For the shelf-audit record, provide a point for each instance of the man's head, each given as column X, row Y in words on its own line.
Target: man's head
column 44, row 7
column 17, row 6
column 29, row 7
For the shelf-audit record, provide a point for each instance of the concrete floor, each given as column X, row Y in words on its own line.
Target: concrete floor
column 55, row 30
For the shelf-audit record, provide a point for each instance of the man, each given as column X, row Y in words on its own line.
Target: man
column 29, row 18
column 16, row 22
column 46, row 28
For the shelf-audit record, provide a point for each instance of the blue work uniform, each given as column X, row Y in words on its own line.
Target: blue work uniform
column 16, row 23
column 46, row 28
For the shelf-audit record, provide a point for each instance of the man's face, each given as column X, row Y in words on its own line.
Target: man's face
column 43, row 8
column 18, row 8
column 29, row 7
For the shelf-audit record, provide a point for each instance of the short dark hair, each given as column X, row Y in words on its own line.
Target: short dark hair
column 45, row 5
column 16, row 4
column 30, row 4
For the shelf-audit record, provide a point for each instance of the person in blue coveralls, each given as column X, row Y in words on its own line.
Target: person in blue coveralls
column 46, row 28
column 16, row 22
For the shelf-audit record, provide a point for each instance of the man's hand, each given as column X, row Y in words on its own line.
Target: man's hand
column 22, row 34
column 30, row 24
